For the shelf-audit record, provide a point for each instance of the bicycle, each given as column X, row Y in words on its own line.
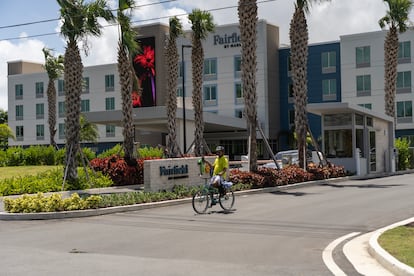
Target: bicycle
column 204, row 198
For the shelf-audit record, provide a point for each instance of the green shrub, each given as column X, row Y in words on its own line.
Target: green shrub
column 150, row 152
column 116, row 150
column 403, row 144
column 50, row 181
column 53, row 203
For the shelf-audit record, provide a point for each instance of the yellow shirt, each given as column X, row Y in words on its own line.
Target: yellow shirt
column 219, row 164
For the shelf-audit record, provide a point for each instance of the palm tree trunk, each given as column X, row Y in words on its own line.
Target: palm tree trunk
column 247, row 10
column 197, row 59
column 299, row 59
column 172, row 58
column 125, row 80
column 390, row 70
column 73, row 79
column 51, row 102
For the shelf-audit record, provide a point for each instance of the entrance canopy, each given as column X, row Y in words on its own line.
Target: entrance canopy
column 358, row 138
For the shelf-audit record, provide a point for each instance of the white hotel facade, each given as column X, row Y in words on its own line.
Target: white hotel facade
column 362, row 83
column 101, row 100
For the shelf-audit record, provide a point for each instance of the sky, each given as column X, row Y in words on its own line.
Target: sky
column 327, row 21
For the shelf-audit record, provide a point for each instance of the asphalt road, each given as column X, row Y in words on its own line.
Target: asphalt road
column 281, row 233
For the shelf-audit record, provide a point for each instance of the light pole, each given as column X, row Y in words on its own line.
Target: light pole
column 183, row 77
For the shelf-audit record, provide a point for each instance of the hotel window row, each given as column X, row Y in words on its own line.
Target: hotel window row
column 40, row 132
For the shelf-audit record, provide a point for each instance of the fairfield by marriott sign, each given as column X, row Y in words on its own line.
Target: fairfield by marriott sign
column 227, row 40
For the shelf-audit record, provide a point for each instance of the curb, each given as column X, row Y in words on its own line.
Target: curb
column 383, row 257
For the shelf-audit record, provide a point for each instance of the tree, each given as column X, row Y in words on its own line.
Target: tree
column 3, row 116
column 127, row 46
column 299, row 37
column 172, row 57
column 5, row 134
column 54, row 68
column 202, row 25
column 247, row 10
column 79, row 20
column 396, row 19
column 88, row 131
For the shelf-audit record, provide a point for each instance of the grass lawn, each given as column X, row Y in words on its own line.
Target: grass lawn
column 8, row 172
column 399, row 242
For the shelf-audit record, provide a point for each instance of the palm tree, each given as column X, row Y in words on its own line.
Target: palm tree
column 127, row 46
column 247, row 10
column 79, row 20
column 88, row 131
column 396, row 19
column 172, row 57
column 299, row 37
column 54, row 69
column 202, row 25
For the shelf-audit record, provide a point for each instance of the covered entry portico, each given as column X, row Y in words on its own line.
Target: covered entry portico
column 357, row 138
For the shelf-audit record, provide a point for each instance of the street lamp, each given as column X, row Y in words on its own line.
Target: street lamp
column 183, row 77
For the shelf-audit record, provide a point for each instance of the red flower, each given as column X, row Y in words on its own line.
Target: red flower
column 147, row 59
column 136, row 99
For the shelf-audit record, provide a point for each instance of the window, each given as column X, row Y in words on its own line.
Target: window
column 61, row 109
column 404, row 52
column 404, row 82
column 61, row 87
column 366, row 105
column 19, row 133
column 18, row 91
column 329, row 62
column 85, row 106
column 61, row 129
column 19, row 112
column 334, row 120
column 110, row 103
column 40, row 111
column 239, row 113
column 39, row 89
column 40, row 132
column 85, row 85
column 179, row 91
column 289, row 66
column 363, row 84
column 180, row 69
column 210, row 69
column 110, row 131
column 404, row 112
column 109, row 83
column 290, row 90
column 239, row 93
column 210, row 95
column 363, row 56
column 329, row 90
column 338, row 143
column 291, row 118
column 237, row 67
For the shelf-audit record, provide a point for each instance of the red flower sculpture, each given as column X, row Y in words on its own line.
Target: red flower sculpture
column 147, row 61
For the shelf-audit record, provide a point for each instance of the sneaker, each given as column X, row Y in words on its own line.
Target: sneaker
column 213, row 202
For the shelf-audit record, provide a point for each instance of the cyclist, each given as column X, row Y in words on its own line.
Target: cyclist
column 220, row 168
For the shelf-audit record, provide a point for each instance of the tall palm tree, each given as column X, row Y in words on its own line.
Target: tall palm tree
column 79, row 20
column 172, row 57
column 127, row 46
column 247, row 10
column 299, row 37
column 202, row 25
column 396, row 19
column 54, row 69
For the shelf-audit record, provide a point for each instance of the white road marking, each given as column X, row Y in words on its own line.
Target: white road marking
column 327, row 254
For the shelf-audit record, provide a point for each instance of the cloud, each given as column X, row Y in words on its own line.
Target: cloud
column 24, row 49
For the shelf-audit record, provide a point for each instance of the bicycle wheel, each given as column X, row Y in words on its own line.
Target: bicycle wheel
column 201, row 200
column 227, row 201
